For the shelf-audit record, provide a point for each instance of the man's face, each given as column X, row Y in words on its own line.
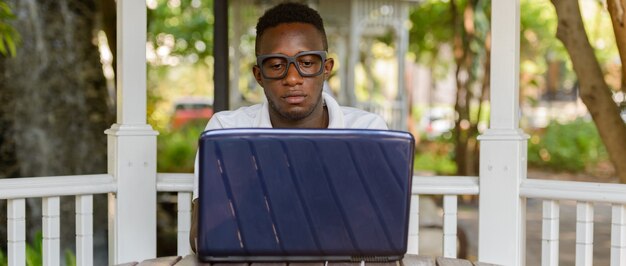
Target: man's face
column 292, row 97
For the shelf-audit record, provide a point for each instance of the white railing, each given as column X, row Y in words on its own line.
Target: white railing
column 450, row 187
column 586, row 194
column 183, row 184
column 16, row 190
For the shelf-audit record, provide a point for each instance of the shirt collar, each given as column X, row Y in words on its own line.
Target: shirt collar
column 335, row 115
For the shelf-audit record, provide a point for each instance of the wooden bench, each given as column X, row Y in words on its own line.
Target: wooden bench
column 409, row 260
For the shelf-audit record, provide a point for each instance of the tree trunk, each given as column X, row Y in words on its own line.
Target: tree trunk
column 594, row 91
column 53, row 106
column 484, row 97
column 464, row 33
column 617, row 9
column 57, row 90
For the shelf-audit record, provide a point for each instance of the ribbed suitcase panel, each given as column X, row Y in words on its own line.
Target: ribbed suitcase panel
column 247, row 195
column 390, row 196
column 294, row 229
column 219, row 232
column 353, row 197
column 327, row 219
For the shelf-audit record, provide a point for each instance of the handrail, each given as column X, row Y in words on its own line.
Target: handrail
column 174, row 182
column 47, row 186
column 445, row 185
column 573, row 190
column 433, row 185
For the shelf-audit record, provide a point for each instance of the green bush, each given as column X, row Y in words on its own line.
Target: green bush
column 34, row 254
column 436, row 156
column 176, row 150
column 570, row 147
column 433, row 162
column 4, row 261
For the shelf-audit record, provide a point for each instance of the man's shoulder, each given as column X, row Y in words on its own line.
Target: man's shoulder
column 357, row 118
column 241, row 117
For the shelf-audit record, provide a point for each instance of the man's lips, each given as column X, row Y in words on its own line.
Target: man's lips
column 294, row 99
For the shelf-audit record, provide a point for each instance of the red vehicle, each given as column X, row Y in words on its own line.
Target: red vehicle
column 191, row 109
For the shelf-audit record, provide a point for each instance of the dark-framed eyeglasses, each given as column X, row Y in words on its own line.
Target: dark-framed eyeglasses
column 308, row 64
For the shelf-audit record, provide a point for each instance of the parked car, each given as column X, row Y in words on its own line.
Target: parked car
column 437, row 121
column 191, row 109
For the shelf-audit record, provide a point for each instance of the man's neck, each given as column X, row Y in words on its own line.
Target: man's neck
column 319, row 120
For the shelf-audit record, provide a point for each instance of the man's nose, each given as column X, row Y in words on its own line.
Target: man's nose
column 293, row 76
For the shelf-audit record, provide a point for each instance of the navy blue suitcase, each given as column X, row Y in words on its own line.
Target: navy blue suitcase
column 304, row 195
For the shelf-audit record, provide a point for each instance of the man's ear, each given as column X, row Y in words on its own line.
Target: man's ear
column 256, row 71
column 328, row 67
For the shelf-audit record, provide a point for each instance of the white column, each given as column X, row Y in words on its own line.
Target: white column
column 16, row 232
column 504, row 93
column 550, row 233
column 50, row 222
column 502, row 213
column 132, row 145
column 84, row 230
column 402, row 46
column 353, row 48
column 131, row 62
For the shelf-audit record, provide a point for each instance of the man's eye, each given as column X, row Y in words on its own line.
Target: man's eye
column 277, row 66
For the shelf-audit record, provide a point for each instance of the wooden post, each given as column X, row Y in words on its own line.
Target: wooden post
column 502, row 217
column 132, row 145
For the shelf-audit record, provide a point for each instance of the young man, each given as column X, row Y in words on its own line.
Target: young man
column 292, row 65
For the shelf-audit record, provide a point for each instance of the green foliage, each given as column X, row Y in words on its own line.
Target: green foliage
column 571, row 147
column 177, row 149
column 431, row 26
column 436, row 163
column 435, row 156
column 34, row 251
column 70, row 258
column 4, row 261
column 185, row 27
column 9, row 37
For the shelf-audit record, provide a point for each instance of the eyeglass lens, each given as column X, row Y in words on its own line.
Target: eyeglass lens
column 307, row 65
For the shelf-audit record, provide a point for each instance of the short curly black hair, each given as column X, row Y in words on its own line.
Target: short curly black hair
column 289, row 12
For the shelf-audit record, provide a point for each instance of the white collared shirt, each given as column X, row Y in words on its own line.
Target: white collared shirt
column 258, row 115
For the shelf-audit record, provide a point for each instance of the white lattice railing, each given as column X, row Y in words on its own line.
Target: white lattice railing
column 15, row 191
column 49, row 189
column 586, row 194
column 183, row 184
column 450, row 187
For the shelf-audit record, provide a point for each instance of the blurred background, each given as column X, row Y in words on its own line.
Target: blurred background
column 423, row 65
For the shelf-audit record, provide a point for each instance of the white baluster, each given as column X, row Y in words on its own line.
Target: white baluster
column 618, row 235
column 50, row 222
column 84, row 230
column 449, row 225
column 184, row 223
column 414, row 224
column 16, row 235
column 584, row 234
column 550, row 233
